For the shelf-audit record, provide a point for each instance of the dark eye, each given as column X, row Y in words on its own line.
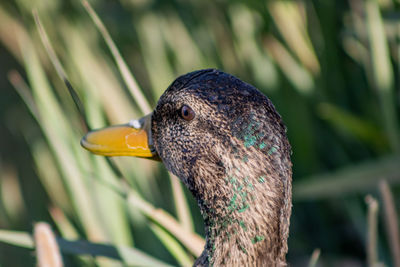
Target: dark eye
column 187, row 113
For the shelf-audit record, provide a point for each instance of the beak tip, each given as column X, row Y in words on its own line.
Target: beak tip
column 86, row 144
column 83, row 142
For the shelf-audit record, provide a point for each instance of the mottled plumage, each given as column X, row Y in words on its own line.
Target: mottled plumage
column 234, row 157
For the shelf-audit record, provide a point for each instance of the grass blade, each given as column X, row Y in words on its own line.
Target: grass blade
column 17, row 238
column 372, row 252
column 286, row 15
column 102, row 90
column 359, row 178
column 60, row 70
column 47, row 251
column 10, row 30
column 191, row 241
column 49, row 175
column 244, row 26
column 185, row 49
column 392, row 224
column 126, row 74
column 24, row 92
column 181, row 205
column 382, row 72
column 314, row 257
column 11, row 196
column 63, row 224
column 129, row 256
column 352, row 125
column 172, row 245
column 295, row 73
column 111, row 213
column 155, row 53
column 57, row 131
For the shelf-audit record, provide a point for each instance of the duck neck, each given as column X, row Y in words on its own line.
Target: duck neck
column 246, row 215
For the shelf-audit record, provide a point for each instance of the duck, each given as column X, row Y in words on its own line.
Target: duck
column 226, row 142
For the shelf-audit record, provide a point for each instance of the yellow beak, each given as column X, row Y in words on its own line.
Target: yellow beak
column 132, row 139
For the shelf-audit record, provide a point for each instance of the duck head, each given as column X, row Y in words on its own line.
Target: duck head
column 227, row 143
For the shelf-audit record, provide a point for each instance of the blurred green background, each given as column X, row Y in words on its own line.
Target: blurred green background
column 330, row 67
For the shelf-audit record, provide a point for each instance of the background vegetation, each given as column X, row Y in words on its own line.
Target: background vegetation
column 330, row 67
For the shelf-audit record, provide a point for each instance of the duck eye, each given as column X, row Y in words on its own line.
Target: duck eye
column 187, row 113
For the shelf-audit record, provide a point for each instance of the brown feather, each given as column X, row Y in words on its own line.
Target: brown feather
column 234, row 157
